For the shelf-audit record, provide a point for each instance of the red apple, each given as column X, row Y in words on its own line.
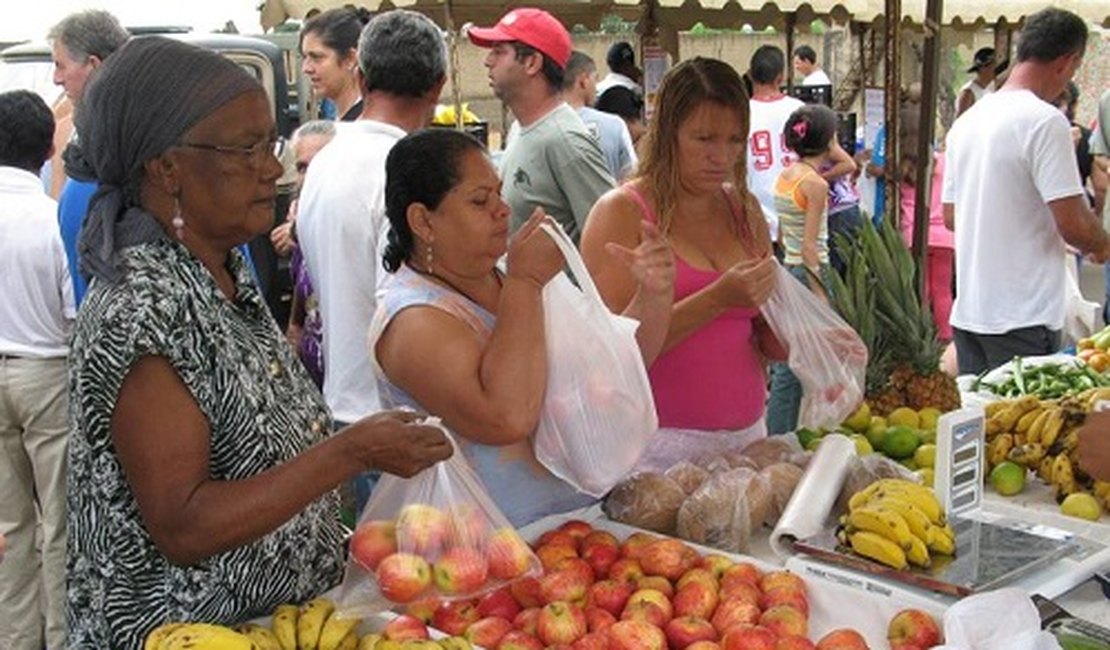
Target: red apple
column 695, row 599
column 550, row 554
column 560, row 622
column 781, row 579
column 634, row 545
column 598, row 538
column 422, row 529
column 488, row 632
column 557, row 538
column 740, row 572
column 717, row 564
column 526, row 620
column 460, row 570
column 469, row 526
column 453, row 617
column 577, row 529
column 668, row 558
column 404, row 628
column 784, row 620
column 748, row 637
column 658, row 583
column 702, row 575
column 913, row 629
column 591, row 641
column 739, row 590
column 403, row 577
column 372, row 542
column 423, row 608
column 704, row 645
column 509, row 557
column 601, row 558
column 785, row 596
column 626, row 570
column 527, row 592
column 636, row 635
column 599, row 620
column 610, row 595
column 569, row 585
column 686, row 630
column 499, row 603
column 732, row 613
column 518, row 640
column 653, row 596
column 644, row 611
column 842, row 639
column 794, row 643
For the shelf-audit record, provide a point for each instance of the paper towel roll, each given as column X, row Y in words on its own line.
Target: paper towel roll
column 813, row 499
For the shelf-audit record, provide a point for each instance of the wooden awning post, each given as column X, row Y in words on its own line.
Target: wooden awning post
column 892, row 64
column 926, row 133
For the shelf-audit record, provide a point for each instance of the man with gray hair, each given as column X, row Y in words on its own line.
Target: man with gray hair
column 341, row 223
column 80, row 43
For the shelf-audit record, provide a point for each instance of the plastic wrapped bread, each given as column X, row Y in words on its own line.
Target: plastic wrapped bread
column 646, row 500
column 725, row 510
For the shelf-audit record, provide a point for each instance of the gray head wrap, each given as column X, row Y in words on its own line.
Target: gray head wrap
column 137, row 105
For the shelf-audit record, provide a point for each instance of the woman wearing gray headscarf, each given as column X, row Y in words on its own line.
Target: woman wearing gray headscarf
column 201, row 482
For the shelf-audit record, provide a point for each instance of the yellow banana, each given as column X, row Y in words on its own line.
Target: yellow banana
column 262, row 637
column 388, row 644
column 943, row 540
column 1063, row 476
column 349, row 642
column 917, row 521
column 284, row 625
column 335, row 631
column 1044, row 469
column 878, row 548
column 1071, row 439
column 918, row 553
column 994, row 408
column 918, row 495
column 1052, row 428
column 159, row 634
column 1096, row 396
column 994, row 427
column 1101, row 491
column 1008, row 417
column 455, row 643
column 209, row 637
column 1036, row 429
column 420, row 644
column 881, row 521
column 311, row 622
column 863, row 496
column 999, row 447
column 1028, row 455
column 369, row 642
column 1025, row 422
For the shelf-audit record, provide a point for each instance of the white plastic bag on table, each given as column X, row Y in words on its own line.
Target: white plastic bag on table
column 825, row 353
column 598, row 413
column 437, row 534
column 1080, row 314
column 1004, row 619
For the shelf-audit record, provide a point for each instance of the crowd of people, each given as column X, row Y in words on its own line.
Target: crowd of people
column 183, row 455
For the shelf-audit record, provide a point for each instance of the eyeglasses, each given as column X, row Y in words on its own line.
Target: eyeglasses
column 255, row 153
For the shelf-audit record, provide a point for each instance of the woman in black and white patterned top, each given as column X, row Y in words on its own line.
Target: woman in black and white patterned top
column 201, row 473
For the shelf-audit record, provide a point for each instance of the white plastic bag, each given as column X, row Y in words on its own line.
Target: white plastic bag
column 598, row 413
column 1081, row 315
column 826, row 354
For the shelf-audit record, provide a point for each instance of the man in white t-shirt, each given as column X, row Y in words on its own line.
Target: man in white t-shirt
column 985, row 70
column 623, row 72
column 580, row 91
column 341, row 223
column 1012, row 192
column 805, row 64
column 767, row 151
column 36, row 318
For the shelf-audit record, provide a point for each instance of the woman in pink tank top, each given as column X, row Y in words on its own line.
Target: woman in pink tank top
column 709, row 375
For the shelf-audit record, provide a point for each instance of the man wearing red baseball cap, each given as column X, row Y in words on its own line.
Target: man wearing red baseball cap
column 551, row 160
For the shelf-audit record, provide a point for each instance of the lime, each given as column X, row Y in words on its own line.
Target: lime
column 927, row 476
column 926, row 455
column 860, row 420
column 1082, row 505
column 1008, row 478
column 863, row 447
column 928, row 436
column 900, row 441
column 876, row 431
column 805, row 435
column 904, row 415
column 812, row 445
column 928, row 417
column 909, row 464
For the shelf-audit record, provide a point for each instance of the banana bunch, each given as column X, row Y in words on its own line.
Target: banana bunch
column 897, row 523
column 196, row 636
column 1043, row 435
column 315, row 626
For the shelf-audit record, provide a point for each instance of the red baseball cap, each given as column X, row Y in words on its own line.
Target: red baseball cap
column 533, row 27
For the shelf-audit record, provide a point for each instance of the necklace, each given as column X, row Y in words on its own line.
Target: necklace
column 451, row 285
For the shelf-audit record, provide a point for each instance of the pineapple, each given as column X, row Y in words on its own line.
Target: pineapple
column 878, row 297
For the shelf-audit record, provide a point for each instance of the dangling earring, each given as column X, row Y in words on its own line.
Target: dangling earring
column 178, row 221
column 429, row 258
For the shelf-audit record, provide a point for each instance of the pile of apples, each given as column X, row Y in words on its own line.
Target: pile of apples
column 427, row 551
column 598, row 592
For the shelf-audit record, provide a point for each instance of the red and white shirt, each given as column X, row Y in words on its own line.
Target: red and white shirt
column 767, row 152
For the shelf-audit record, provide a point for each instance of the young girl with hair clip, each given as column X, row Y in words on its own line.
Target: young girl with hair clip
column 801, row 199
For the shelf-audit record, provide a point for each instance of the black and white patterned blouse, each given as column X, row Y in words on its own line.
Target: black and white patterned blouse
column 262, row 410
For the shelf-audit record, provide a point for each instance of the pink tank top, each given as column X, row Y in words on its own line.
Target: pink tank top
column 714, row 378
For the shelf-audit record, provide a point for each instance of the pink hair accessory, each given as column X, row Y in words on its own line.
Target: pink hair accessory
column 800, row 128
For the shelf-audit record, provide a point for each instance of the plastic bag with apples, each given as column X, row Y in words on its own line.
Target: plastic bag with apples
column 598, row 412
column 826, row 354
column 437, row 534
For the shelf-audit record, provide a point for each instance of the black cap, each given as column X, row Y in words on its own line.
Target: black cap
column 984, row 57
column 620, row 54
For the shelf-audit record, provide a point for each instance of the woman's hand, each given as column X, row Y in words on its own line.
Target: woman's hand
column 651, row 263
column 282, row 239
column 533, row 255
column 747, row 284
column 392, row 441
